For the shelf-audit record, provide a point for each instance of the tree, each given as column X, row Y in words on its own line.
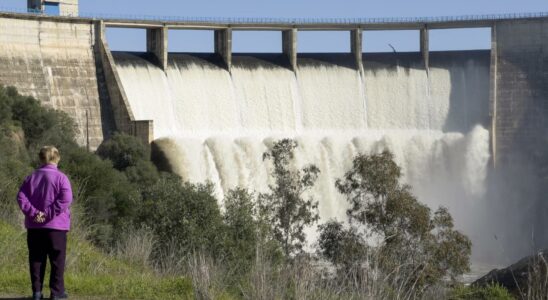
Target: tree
column 422, row 247
column 287, row 209
column 241, row 232
column 344, row 248
column 41, row 126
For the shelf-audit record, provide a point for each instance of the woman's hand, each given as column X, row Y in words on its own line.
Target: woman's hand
column 40, row 218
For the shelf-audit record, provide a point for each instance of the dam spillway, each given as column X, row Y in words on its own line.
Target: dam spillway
column 214, row 125
column 449, row 117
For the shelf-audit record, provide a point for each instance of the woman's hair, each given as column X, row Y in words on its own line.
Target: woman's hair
column 49, row 155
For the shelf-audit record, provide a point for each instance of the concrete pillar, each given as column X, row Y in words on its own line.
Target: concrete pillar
column 425, row 43
column 356, row 36
column 289, row 46
column 223, row 45
column 157, row 45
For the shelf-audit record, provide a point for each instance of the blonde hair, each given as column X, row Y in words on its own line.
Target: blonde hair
column 49, row 155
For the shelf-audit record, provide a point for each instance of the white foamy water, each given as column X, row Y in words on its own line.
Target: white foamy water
column 215, row 126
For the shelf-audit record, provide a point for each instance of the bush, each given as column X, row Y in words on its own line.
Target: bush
column 183, row 216
column 131, row 156
column 416, row 248
column 241, row 230
column 108, row 198
column 490, row 292
column 124, row 151
column 41, row 125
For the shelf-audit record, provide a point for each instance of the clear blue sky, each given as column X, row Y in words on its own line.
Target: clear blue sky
column 202, row 41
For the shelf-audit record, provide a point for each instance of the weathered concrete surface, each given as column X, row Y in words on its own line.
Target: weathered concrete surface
column 119, row 105
column 223, row 45
column 356, row 37
column 289, row 47
column 425, row 47
column 520, row 85
column 54, row 62
column 157, row 45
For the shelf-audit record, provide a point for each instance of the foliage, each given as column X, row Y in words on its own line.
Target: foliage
column 124, row 151
column 182, row 215
column 131, row 156
column 286, row 207
column 14, row 166
column 109, row 199
column 345, row 248
column 425, row 248
column 41, row 125
column 241, row 232
column 489, row 292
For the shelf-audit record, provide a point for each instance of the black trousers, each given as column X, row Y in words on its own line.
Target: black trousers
column 44, row 243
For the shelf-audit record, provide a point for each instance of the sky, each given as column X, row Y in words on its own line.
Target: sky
column 202, row 40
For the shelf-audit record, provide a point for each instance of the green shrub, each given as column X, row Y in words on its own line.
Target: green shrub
column 241, row 230
column 131, row 156
column 124, row 151
column 108, row 198
column 41, row 125
column 490, row 292
column 183, row 216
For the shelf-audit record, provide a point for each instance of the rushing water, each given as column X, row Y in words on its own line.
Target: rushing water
column 215, row 125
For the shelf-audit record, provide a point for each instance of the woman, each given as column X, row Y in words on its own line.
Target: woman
column 44, row 199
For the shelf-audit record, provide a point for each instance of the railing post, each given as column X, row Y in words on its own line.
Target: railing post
column 289, row 46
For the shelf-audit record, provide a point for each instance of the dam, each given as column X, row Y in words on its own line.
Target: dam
column 453, row 119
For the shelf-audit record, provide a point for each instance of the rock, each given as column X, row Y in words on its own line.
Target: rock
column 523, row 278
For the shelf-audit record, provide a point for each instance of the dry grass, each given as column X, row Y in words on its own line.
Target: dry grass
column 301, row 279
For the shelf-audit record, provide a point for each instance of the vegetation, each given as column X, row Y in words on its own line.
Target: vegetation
column 146, row 234
column 287, row 209
column 415, row 250
column 490, row 292
column 89, row 272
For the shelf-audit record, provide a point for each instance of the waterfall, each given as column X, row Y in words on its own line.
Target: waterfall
column 214, row 125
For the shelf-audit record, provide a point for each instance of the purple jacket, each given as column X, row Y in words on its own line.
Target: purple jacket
column 47, row 190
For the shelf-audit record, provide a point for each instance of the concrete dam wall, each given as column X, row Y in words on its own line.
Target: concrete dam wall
column 55, row 63
column 447, row 116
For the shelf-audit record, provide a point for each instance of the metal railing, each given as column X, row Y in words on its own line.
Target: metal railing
column 297, row 21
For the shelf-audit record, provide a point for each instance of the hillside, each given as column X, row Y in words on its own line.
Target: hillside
column 90, row 274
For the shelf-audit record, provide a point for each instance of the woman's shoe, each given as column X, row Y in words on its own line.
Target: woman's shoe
column 37, row 296
column 63, row 296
